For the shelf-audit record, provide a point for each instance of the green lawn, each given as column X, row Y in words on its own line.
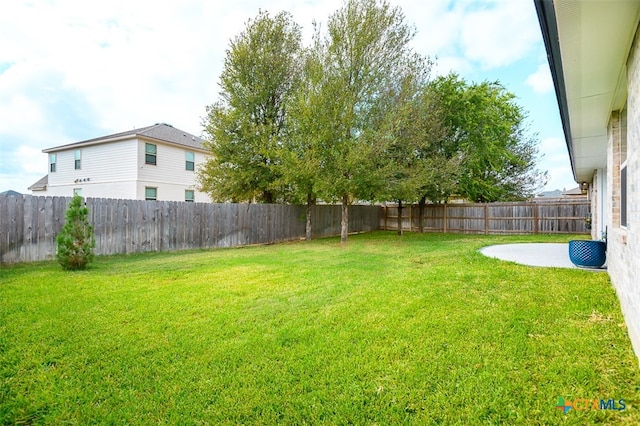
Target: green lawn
column 419, row 329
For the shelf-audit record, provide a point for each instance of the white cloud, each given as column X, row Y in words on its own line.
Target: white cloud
column 555, row 160
column 447, row 64
column 438, row 25
column 499, row 33
column 79, row 69
column 481, row 34
column 541, row 81
column 33, row 160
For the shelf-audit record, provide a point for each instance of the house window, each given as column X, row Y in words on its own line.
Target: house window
column 623, row 195
column 52, row 163
column 150, row 153
column 189, row 195
column 623, row 166
column 190, row 160
column 78, row 157
column 150, row 194
column 77, row 191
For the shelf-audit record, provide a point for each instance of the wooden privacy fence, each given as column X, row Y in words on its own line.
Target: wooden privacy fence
column 493, row 218
column 29, row 224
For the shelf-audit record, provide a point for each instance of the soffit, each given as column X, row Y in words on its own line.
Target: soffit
column 595, row 37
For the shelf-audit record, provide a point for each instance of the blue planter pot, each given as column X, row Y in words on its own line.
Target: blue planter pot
column 588, row 253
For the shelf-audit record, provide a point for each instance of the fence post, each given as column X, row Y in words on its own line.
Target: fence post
column 486, row 218
column 385, row 217
column 535, row 219
column 444, row 222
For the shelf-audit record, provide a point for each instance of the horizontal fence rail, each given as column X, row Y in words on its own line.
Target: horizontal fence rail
column 29, row 225
column 566, row 217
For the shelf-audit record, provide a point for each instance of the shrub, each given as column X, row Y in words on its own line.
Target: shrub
column 75, row 240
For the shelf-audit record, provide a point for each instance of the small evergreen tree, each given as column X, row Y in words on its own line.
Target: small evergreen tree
column 75, row 240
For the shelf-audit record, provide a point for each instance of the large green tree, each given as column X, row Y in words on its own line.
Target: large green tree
column 246, row 126
column 412, row 126
column 362, row 53
column 301, row 153
column 355, row 117
column 486, row 130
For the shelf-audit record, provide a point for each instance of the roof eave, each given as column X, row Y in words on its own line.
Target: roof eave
column 549, row 26
column 87, row 143
column 118, row 139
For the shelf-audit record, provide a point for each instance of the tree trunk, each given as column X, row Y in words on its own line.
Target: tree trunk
column 344, row 223
column 421, row 205
column 267, row 197
column 399, row 217
column 310, row 202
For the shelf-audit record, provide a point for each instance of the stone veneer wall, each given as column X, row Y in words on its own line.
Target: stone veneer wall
column 623, row 251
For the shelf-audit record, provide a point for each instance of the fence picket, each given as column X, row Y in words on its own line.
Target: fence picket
column 29, row 224
column 496, row 218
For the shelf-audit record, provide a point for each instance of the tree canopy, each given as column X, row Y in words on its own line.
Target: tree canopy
column 356, row 116
column 246, row 125
column 362, row 54
column 485, row 127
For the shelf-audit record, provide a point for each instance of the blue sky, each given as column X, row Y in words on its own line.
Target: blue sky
column 72, row 70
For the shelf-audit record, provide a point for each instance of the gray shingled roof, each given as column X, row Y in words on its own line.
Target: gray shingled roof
column 40, row 185
column 10, row 193
column 160, row 131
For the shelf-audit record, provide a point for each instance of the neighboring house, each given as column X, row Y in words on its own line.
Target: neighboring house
column 571, row 195
column 556, row 193
column 10, row 193
column 575, row 193
column 594, row 53
column 154, row 163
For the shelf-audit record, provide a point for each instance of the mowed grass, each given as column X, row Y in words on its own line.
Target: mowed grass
column 419, row 329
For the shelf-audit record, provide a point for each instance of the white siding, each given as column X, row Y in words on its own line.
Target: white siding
column 118, row 170
column 169, row 174
column 122, row 190
column 64, row 173
column 107, row 170
column 170, row 191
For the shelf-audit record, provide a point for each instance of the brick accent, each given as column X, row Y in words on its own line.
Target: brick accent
column 623, row 248
column 613, row 167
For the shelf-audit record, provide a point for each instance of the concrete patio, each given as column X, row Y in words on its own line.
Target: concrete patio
column 554, row 255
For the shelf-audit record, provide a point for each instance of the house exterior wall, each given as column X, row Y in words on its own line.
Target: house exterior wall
column 595, row 203
column 167, row 191
column 623, row 244
column 106, row 170
column 169, row 175
column 118, row 170
column 599, row 204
